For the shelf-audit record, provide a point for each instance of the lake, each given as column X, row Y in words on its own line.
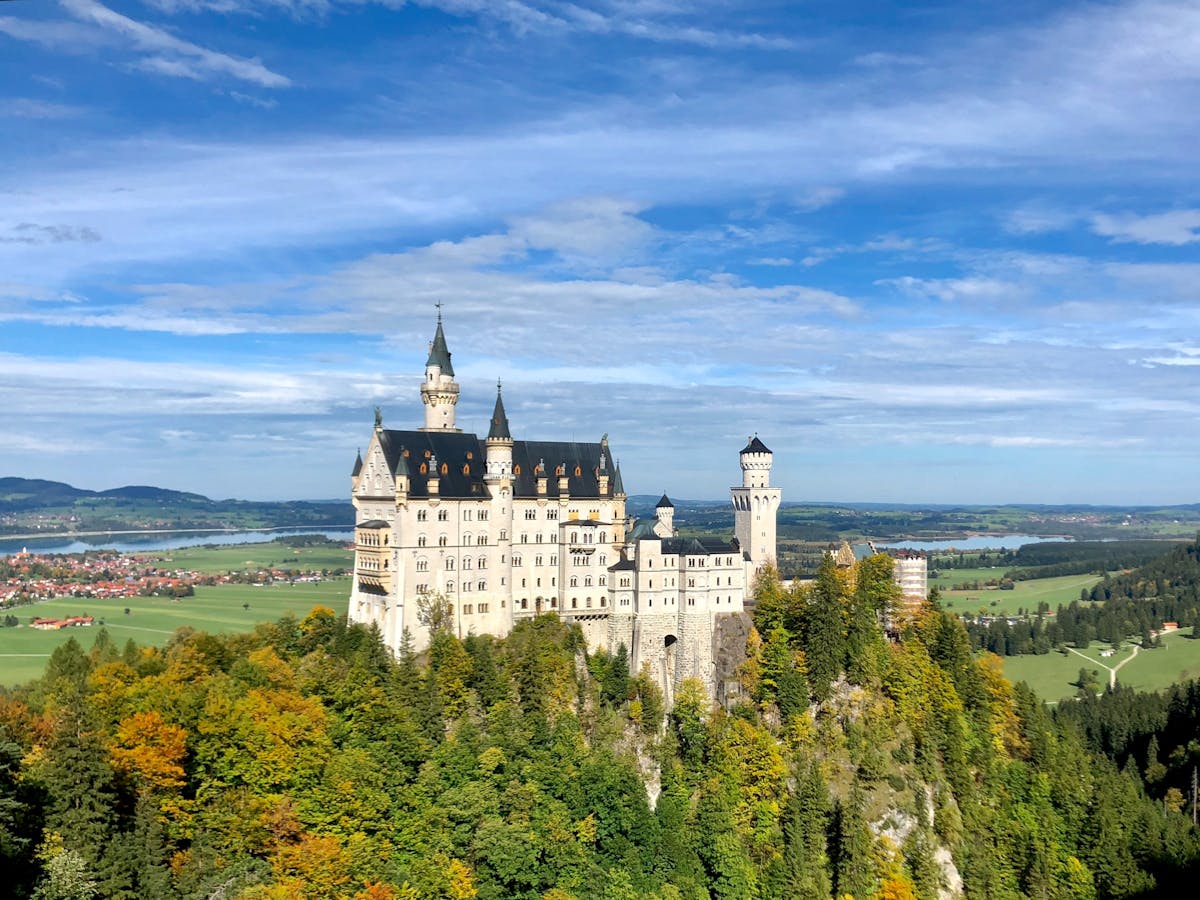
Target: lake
column 148, row 542
column 975, row 542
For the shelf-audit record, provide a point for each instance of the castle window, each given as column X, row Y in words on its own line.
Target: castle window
column 483, row 514
column 578, row 471
column 422, row 565
column 421, row 541
column 603, row 580
column 574, row 537
column 522, row 582
column 603, row 602
column 445, row 468
column 483, row 607
column 428, row 454
column 624, row 582
column 530, row 514
column 587, row 581
column 588, row 602
column 423, row 588
column 443, row 515
column 554, row 560
column 604, row 537
column 482, row 586
column 503, row 534
column 558, row 470
column 466, row 562
column 553, row 582
column 574, row 581
column 603, row 560
column 424, row 468
column 466, row 469
column 524, row 603
column 467, row 608
column 450, row 564
column 537, row 538
column 422, row 515
column 482, row 564
column 470, row 455
column 552, row 514
column 516, row 560
column 442, row 541
column 466, row 513
column 524, row 538
column 539, row 583
column 574, row 603
column 481, row 541
column 517, row 471
column 466, row 587
column 537, row 560
column 554, row 603
column 466, row 540
column 449, row 587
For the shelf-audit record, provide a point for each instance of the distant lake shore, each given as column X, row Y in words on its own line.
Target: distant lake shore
column 156, row 539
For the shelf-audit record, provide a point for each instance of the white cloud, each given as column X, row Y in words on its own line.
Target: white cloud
column 1176, row 228
column 98, row 27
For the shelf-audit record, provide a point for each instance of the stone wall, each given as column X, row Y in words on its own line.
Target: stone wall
column 729, row 634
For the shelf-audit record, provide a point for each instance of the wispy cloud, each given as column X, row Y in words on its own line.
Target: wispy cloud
column 1176, row 228
column 97, row 27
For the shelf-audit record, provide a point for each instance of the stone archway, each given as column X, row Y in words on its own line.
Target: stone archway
column 670, row 645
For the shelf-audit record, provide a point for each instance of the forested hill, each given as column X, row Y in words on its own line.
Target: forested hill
column 302, row 761
column 35, row 506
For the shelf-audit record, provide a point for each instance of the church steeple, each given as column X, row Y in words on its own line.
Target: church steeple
column 439, row 391
column 499, row 443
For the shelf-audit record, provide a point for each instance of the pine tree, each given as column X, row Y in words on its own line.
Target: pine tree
column 852, row 844
column 805, row 824
column 825, row 631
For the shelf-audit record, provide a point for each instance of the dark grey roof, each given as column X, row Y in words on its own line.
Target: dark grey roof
column 755, row 446
column 499, row 426
column 697, row 546
column 664, row 503
column 623, row 565
column 579, row 462
column 439, row 353
column 357, row 465
column 373, row 524
column 463, row 455
column 618, row 483
column 464, row 474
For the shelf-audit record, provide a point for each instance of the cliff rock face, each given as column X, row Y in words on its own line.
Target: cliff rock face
column 730, row 631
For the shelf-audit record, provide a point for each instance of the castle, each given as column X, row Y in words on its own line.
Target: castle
column 506, row 529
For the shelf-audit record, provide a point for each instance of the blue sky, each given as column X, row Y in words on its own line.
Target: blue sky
column 928, row 252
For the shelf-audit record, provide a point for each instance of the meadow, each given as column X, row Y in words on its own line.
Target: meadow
column 1024, row 595
column 252, row 557
column 225, row 608
column 1052, row 675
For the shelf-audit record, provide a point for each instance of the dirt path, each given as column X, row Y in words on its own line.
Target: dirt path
column 1112, row 672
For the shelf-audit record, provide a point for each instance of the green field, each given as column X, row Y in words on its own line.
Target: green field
column 947, row 577
column 251, row 557
column 151, row 620
column 1024, row 595
column 1051, row 675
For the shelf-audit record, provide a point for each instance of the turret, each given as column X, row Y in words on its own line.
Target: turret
column 439, row 390
column 664, row 511
column 358, row 465
column 499, row 443
column 755, row 505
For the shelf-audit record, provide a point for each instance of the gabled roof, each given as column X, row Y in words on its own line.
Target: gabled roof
column 463, row 455
column 439, row 353
column 754, row 445
column 697, row 546
column 358, row 464
column 618, row 483
column 499, row 426
column 580, row 463
column 664, row 503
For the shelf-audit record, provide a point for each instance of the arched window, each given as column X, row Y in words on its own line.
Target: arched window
column 449, row 587
column 422, row 565
column 443, row 515
column 422, row 515
column 450, row 564
column 442, row 540
column 482, row 564
column 424, row 468
column 466, row 562
column 466, row 469
column 574, row 581
column 445, row 468
column 587, row 581
column 421, row 541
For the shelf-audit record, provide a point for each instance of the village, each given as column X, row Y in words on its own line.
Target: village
column 27, row 577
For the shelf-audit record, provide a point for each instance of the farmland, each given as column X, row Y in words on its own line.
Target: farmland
column 1052, row 675
column 223, row 608
column 252, row 557
column 1024, row 595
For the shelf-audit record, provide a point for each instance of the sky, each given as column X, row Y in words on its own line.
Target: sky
column 928, row 252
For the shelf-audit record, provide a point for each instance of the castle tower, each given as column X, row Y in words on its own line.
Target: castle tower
column 755, row 505
column 499, row 443
column 439, row 391
column 664, row 511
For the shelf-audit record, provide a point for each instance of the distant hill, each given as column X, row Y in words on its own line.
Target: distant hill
column 32, row 505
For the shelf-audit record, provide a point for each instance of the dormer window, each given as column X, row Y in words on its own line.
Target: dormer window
column 517, row 469
column 445, row 469
column 424, row 469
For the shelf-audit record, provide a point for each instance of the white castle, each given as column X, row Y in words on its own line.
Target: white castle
column 506, row 530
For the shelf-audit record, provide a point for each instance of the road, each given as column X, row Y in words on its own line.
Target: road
column 1112, row 671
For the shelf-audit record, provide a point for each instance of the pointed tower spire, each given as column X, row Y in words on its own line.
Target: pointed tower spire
column 439, row 353
column 358, row 464
column 439, row 391
column 499, row 427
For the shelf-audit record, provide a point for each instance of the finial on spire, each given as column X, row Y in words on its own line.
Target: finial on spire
column 378, row 417
column 439, row 311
